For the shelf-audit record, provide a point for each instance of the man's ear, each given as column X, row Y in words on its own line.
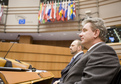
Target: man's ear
column 79, row 48
column 96, row 33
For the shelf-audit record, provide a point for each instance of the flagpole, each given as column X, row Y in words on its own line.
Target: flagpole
column 78, row 17
column 39, row 16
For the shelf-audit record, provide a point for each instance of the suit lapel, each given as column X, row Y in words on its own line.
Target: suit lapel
column 91, row 50
column 77, row 58
column 72, row 64
column 96, row 46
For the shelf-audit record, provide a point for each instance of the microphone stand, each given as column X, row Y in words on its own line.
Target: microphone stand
column 11, row 47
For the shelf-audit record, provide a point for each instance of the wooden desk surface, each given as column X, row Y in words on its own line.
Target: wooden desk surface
column 12, row 77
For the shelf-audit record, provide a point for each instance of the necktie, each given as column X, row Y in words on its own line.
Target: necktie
column 71, row 60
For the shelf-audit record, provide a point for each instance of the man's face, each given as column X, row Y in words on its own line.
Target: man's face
column 74, row 47
column 87, row 35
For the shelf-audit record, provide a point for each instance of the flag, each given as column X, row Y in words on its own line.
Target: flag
column 1, row 12
column 63, row 11
column 44, row 15
column 69, row 9
column 39, row 11
column 49, row 13
column 74, row 10
column 41, row 20
column 60, row 10
column 46, row 11
column 57, row 12
column 52, row 12
column 66, row 11
column 71, row 12
column 40, row 17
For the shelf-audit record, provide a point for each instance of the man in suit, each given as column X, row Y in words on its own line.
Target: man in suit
column 76, row 50
column 100, row 63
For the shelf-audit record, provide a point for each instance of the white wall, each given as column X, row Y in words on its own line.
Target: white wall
column 109, row 10
column 22, row 9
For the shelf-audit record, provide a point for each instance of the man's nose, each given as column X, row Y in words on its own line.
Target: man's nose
column 80, row 34
column 70, row 47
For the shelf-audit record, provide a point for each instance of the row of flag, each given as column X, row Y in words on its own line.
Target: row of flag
column 1, row 12
column 50, row 12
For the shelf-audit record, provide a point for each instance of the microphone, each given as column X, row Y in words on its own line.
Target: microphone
column 11, row 46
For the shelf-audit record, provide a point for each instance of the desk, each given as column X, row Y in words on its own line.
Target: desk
column 16, row 77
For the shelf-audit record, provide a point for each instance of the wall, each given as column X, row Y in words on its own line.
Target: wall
column 105, row 9
column 109, row 10
column 60, row 43
column 22, row 9
column 53, row 43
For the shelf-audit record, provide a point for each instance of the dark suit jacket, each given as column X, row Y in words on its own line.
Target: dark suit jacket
column 64, row 71
column 97, row 66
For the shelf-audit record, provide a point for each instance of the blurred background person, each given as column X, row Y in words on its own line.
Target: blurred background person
column 76, row 50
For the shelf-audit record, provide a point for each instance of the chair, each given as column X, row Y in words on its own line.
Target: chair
column 117, row 78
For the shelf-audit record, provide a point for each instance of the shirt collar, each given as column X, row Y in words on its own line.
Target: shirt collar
column 94, row 46
column 77, row 54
